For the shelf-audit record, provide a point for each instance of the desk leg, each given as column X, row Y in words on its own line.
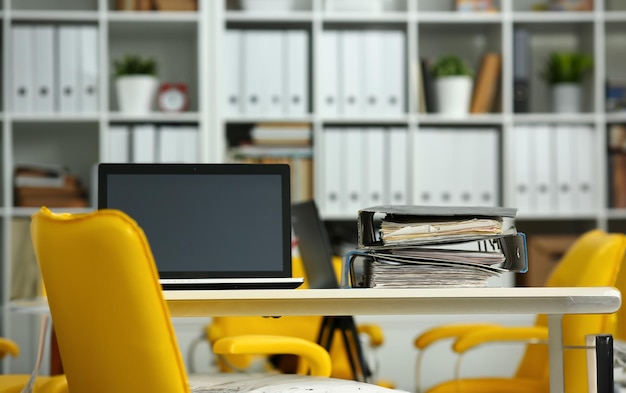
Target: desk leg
column 555, row 348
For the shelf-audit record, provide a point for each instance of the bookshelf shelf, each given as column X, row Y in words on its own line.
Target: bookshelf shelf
column 553, row 17
column 39, row 118
column 155, row 117
column 240, row 16
column 54, row 16
column 455, row 17
column 555, row 118
column 494, row 119
column 152, row 17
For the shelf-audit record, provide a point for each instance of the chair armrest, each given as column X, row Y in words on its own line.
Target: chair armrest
column 447, row 331
column 315, row 355
column 8, row 347
column 374, row 332
column 476, row 337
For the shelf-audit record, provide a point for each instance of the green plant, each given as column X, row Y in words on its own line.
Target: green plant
column 566, row 67
column 451, row 65
column 135, row 65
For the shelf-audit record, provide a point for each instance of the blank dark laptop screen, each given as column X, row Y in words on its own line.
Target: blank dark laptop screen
column 210, row 220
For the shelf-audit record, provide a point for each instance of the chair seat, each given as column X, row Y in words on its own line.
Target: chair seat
column 14, row 383
column 276, row 383
column 491, row 385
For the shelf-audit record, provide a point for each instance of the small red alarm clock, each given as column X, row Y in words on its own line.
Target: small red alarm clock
column 173, row 97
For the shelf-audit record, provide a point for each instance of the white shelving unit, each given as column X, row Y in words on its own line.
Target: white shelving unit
column 189, row 47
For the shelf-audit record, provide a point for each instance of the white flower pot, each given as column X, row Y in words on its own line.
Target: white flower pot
column 136, row 93
column 566, row 98
column 453, row 95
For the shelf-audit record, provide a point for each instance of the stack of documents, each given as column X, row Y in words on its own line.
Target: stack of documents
column 432, row 246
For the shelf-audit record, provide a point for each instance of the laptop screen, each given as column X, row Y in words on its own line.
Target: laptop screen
column 206, row 220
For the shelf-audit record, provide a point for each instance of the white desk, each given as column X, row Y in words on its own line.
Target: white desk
column 555, row 302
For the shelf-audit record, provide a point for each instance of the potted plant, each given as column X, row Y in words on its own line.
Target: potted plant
column 453, row 85
column 564, row 72
column 136, row 83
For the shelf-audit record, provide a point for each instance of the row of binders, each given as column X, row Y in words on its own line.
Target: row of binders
column 148, row 143
column 456, row 167
column 54, row 68
column 434, row 246
column 362, row 167
column 362, row 72
column 553, row 168
column 267, row 72
column 434, row 166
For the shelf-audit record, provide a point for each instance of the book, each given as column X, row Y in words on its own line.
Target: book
column 521, row 70
column 617, row 165
column 37, row 185
column 41, row 175
column 427, row 82
column 487, row 82
column 281, row 134
column 52, row 201
column 475, row 6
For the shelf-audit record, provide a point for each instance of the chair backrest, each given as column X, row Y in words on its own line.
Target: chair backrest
column 619, row 328
column 593, row 260
column 111, row 321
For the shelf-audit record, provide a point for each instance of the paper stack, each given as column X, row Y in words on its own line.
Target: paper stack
column 39, row 185
column 431, row 246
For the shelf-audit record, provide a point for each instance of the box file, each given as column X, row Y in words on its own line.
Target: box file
column 423, row 145
column 332, row 182
column 297, row 61
column 22, row 62
column 329, row 69
column 169, row 145
column 435, row 246
column 144, row 144
column 353, row 168
column 394, row 84
column 544, row 190
column 44, row 63
column 271, row 74
column 585, row 170
column 565, row 164
column 118, row 144
column 68, row 44
column 485, row 172
column 232, row 69
column 88, row 91
column 255, row 65
column 351, row 72
column 397, row 156
column 375, row 166
column 190, row 152
column 374, row 72
column 522, row 148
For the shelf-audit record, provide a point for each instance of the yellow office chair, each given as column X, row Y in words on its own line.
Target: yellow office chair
column 111, row 321
column 8, row 347
column 593, row 260
column 13, row 383
column 305, row 327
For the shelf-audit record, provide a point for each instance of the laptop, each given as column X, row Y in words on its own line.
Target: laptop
column 316, row 254
column 210, row 226
column 314, row 245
